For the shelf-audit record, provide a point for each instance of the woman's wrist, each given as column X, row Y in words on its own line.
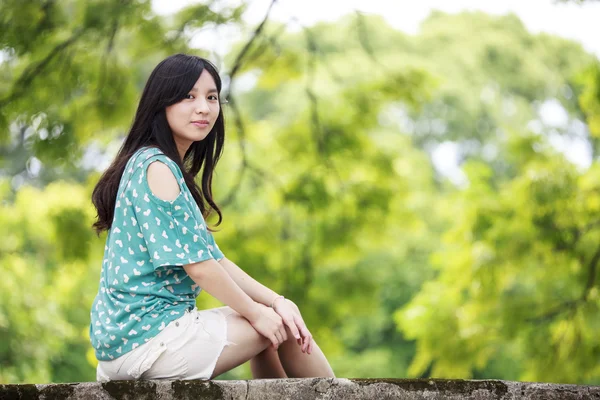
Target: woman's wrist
column 254, row 314
column 277, row 297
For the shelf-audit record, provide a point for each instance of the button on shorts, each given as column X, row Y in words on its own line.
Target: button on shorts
column 188, row 348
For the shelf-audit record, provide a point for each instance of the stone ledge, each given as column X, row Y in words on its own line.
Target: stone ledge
column 302, row 389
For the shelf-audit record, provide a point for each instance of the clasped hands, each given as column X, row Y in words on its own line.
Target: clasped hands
column 274, row 321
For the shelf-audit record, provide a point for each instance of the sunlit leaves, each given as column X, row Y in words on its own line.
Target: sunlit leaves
column 590, row 98
column 46, row 257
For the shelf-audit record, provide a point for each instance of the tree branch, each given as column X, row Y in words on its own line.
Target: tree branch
column 363, row 39
column 106, row 54
column 230, row 197
column 571, row 305
column 22, row 83
column 238, row 61
column 46, row 10
column 592, row 272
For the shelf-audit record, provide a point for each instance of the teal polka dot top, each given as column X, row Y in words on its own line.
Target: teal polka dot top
column 143, row 285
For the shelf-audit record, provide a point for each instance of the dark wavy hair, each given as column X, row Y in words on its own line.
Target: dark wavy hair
column 169, row 83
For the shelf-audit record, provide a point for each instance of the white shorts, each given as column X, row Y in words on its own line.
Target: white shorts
column 188, row 348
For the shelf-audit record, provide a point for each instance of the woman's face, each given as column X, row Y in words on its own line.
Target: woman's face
column 193, row 117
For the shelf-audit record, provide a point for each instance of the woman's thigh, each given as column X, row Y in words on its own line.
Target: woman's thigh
column 247, row 342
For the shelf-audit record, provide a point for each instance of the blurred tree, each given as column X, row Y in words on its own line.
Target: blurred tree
column 516, row 291
column 329, row 162
column 492, row 91
column 47, row 283
column 589, row 100
column 71, row 72
column 517, row 287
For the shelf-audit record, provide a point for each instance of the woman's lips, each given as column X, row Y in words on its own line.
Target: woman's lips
column 200, row 124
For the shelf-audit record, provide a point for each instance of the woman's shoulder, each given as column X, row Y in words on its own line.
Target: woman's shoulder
column 160, row 181
column 163, row 182
column 145, row 153
column 141, row 159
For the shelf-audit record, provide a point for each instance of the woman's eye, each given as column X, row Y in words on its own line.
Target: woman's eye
column 213, row 97
column 189, row 96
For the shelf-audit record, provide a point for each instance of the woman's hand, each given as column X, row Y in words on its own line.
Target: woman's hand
column 290, row 314
column 269, row 324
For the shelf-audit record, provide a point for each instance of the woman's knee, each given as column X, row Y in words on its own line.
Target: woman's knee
column 239, row 326
column 245, row 341
column 227, row 311
column 234, row 318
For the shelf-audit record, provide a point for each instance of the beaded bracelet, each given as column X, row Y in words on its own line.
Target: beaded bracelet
column 275, row 299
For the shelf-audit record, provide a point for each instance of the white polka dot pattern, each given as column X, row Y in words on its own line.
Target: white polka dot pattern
column 143, row 285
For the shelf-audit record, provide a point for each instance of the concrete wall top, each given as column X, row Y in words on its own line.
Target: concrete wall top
column 301, row 389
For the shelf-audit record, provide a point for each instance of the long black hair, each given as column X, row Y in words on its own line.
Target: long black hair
column 169, row 83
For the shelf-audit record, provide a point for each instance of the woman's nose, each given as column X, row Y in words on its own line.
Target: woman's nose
column 202, row 106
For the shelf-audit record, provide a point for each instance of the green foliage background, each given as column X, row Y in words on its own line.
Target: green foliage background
column 327, row 184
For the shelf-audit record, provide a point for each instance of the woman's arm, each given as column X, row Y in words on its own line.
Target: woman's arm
column 256, row 290
column 209, row 274
column 262, row 294
column 211, row 277
column 164, row 185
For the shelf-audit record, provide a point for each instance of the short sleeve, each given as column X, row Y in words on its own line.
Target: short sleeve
column 213, row 247
column 168, row 227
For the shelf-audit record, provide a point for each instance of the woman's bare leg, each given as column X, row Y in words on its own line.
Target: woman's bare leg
column 266, row 365
column 303, row 365
column 250, row 343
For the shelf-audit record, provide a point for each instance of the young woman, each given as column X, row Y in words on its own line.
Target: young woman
column 159, row 253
